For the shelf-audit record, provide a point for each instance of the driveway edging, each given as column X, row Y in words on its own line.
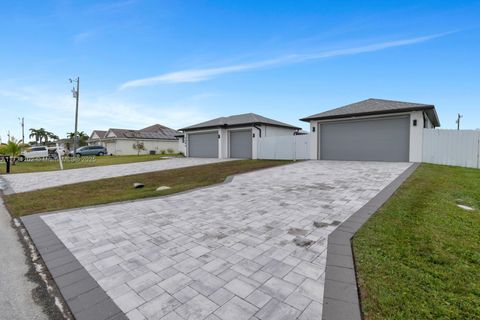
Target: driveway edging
column 83, row 295
column 341, row 298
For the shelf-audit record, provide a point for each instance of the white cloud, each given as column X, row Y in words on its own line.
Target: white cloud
column 196, row 75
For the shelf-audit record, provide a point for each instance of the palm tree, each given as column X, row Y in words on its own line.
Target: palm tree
column 13, row 149
column 82, row 137
column 39, row 135
column 50, row 135
column 34, row 134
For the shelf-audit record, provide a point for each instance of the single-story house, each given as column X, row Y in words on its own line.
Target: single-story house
column 371, row 130
column 155, row 138
column 232, row 137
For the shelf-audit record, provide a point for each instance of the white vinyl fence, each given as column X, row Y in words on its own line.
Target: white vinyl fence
column 294, row 147
column 452, row 147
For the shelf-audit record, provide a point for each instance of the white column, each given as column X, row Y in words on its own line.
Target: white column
column 416, row 136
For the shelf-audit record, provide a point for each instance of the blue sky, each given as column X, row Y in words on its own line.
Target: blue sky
column 181, row 62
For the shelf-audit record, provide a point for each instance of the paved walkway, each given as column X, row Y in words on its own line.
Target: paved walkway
column 22, row 182
column 16, row 300
column 232, row 251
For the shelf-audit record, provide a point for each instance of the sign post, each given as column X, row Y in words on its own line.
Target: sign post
column 59, row 157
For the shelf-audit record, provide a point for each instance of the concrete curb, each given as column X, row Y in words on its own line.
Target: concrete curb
column 341, row 297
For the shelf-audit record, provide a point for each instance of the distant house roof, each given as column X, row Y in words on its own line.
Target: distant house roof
column 239, row 120
column 155, row 131
column 375, row 107
column 99, row 133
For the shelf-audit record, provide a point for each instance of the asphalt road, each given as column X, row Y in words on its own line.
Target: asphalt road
column 16, row 301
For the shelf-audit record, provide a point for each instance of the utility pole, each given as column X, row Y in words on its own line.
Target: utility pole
column 76, row 95
column 22, row 122
column 459, row 116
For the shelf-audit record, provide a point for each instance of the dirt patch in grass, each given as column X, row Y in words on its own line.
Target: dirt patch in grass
column 418, row 257
column 121, row 188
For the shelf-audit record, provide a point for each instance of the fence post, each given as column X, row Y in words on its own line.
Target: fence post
column 478, row 151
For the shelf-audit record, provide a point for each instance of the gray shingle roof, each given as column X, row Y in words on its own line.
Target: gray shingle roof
column 376, row 106
column 156, row 131
column 237, row 120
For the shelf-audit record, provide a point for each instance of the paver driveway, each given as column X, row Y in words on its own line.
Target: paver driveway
column 22, row 182
column 225, row 252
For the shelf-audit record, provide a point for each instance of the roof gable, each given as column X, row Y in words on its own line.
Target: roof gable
column 97, row 134
column 375, row 106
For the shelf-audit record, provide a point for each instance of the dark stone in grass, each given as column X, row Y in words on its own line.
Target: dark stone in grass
column 138, row 185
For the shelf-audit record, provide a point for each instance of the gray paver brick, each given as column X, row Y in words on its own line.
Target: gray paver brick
column 197, row 308
column 221, row 296
column 240, row 288
column 236, row 308
column 159, row 307
column 129, row 301
column 278, row 288
column 276, row 310
column 258, row 298
column 231, row 236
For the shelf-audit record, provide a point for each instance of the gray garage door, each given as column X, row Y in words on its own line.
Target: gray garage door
column 203, row 145
column 385, row 139
column 241, row 144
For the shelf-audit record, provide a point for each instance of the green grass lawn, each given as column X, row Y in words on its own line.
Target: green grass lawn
column 121, row 188
column 418, row 257
column 74, row 163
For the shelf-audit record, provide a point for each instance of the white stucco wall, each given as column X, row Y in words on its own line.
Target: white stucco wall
column 416, row 136
column 125, row 147
column 182, row 146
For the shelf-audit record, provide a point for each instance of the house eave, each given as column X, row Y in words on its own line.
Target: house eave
column 239, row 125
column 430, row 110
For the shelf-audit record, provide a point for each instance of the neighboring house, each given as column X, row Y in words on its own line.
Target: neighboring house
column 235, row 136
column 156, row 138
column 373, row 129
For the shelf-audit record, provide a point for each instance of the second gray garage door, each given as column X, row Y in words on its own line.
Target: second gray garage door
column 203, row 145
column 241, row 144
column 384, row 139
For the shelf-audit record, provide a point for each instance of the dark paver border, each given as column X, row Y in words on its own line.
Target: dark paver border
column 84, row 297
column 341, row 299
